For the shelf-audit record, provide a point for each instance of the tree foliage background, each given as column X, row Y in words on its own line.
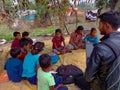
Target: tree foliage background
column 49, row 9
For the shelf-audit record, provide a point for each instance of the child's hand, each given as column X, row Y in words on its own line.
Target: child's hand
column 60, row 85
column 63, row 51
column 76, row 47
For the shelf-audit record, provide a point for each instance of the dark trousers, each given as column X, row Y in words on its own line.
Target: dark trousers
column 33, row 80
column 58, row 80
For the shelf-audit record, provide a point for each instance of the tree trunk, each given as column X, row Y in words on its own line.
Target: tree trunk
column 62, row 18
column 113, row 4
column 3, row 4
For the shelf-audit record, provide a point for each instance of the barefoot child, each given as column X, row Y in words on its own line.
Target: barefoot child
column 57, row 41
column 76, row 39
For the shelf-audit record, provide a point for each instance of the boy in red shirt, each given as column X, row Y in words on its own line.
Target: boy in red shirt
column 16, row 41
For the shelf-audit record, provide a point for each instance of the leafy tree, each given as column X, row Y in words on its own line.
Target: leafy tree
column 112, row 4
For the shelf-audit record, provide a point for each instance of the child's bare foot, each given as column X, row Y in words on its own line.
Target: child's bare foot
column 68, row 51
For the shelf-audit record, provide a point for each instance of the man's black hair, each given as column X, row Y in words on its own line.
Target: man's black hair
column 25, row 33
column 14, row 52
column 16, row 33
column 80, row 28
column 58, row 30
column 44, row 61
column 24, row 42
column 111, row 17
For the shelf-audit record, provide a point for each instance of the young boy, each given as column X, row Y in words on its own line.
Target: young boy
column 24, row 45
column 14, row 65
column 45, row 78
column 16, row 41
column 31, row 63
column 25, row 34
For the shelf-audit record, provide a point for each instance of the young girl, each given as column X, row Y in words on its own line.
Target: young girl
column 31, row 63
column 92, row 37
column 57, row 41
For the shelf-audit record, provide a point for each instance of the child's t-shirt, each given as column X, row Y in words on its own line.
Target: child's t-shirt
column 24, row 53
column 45, row 80
column 15, row 43
column 58, row 42
column 91, row 39
column 29, row 65
column 14, row 69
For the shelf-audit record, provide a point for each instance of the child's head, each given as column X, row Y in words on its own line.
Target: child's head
column 15, row 52
column 79, row 29
column 17, row 35
column 58, row 33
column 45, row 61
column 37, row 48
column 24, row 43
column 30, row 42
column 25, row 34
column 93, row 31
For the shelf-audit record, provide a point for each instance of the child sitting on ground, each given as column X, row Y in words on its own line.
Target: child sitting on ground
column 76, row 39
column 24, row 45
column 91, row 37
column 57, row 41
column 14, row 65
column 16, row 41
column 45, row 78
column 25, row 34
column 31, row 63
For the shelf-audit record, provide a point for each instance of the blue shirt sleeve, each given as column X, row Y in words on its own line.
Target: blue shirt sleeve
column 96, row 39
column 85, row 39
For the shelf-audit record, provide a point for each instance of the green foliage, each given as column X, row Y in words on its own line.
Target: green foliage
column 7, row 33
column 119, row 8
column 100, row 3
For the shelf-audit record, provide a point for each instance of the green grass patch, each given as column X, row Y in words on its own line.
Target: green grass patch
column 7, row 33
column 39, row 31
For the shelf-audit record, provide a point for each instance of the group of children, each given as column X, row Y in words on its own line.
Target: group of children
column 77, row 40
column 26, row 62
